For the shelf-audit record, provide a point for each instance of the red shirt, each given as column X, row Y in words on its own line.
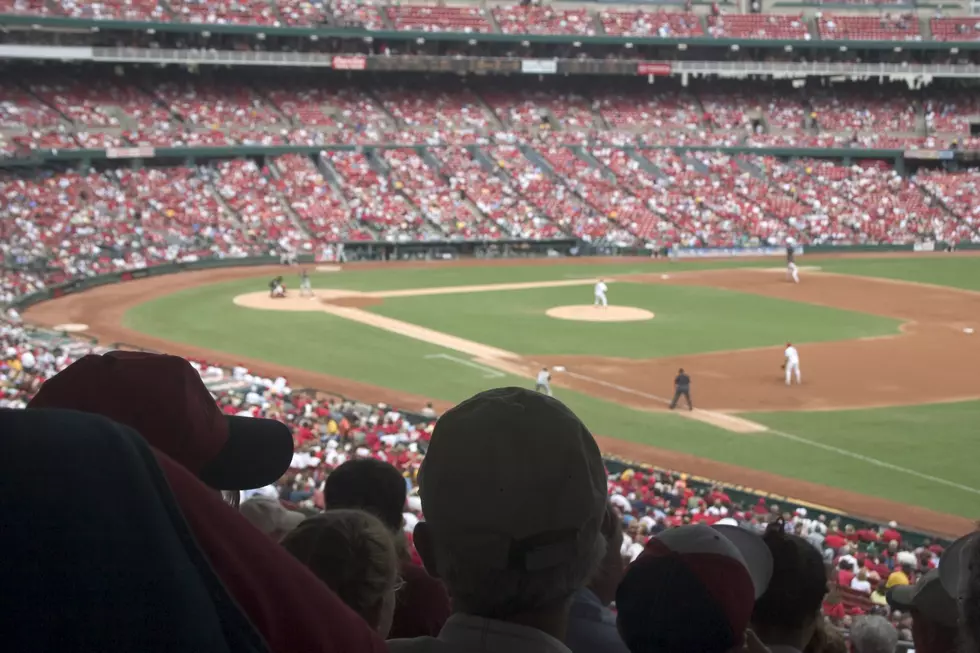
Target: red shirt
column 834, row 540
column 844, row 578
column 867, row 535
column 423, row 604
column 891, row 534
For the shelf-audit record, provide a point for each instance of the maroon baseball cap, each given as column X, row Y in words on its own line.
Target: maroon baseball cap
column 164, row 399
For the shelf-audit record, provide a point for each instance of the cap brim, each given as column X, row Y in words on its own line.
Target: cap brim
column 902, row 597
column 754, row 551
column 953, row 565
column 258, row 452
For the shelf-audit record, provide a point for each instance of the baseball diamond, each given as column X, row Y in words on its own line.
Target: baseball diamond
column 883, row 416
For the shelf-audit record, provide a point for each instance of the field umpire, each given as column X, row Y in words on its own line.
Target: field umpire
column 682, row 388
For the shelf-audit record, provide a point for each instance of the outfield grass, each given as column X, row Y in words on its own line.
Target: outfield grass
column 689, row 319
column 931, row 440
column 957, row 272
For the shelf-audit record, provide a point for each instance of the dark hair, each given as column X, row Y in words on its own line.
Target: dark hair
column 798, row 584
column 680, row 371
column 368, row 484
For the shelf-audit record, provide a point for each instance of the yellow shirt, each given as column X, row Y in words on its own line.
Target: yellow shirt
column 896, row 578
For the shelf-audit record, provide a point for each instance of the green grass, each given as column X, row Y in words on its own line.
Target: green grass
column 938, row 440
column 955, row 271
column 689, row 319
column 934, row 441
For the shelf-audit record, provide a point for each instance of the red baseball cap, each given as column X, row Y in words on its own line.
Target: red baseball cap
column 164, row 399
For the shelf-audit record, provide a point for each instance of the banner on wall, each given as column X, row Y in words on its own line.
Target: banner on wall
column 661, row 69
column 927, row 246
column 349, row 63
column 130, row 153
column 539, row 66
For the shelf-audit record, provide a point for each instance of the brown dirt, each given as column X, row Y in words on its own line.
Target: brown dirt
column 590, row 313
column 354, row 302
column 103, row 309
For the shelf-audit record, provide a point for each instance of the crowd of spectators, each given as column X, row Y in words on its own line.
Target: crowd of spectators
column 358, row 494
column 517, row 18
column 61, row 113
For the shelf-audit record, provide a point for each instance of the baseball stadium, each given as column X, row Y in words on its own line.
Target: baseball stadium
column 350, row 217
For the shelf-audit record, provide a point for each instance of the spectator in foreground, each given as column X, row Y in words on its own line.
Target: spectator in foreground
column 959, row 572
column 163, row 398
column 873, row 634
column 933, row 610
column 591, row 624
column 786, row 617
column 379, row 488
column 513, row 489
column 115, row 576
column 692, row 591
column 352, row 552
column 270, row 516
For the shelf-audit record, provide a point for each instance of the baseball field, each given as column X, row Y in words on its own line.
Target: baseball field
column 886, row 423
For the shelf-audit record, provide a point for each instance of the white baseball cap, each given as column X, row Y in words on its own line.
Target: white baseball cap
column 513, row 480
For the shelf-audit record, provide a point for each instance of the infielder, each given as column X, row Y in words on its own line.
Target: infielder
column 305, row 287
column 544, row 382
column 600, row 294
column 792, row 272
column 791, row 363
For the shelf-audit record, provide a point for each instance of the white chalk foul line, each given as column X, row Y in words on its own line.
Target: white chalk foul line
column 488, row 372
column 875, row 461
column 801, row 440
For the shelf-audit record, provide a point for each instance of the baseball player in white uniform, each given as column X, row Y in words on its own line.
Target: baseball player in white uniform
column 792, row 272
column 543, row 383
column 791, row 363
column 600, row 293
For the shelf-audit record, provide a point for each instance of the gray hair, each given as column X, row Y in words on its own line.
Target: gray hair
column 485, row 592
column 873, row 634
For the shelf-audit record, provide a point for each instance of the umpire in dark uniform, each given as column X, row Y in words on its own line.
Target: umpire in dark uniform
column 682, row 388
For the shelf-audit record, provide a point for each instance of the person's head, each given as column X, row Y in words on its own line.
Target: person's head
column 164, row 399
column 513, row 490
column 790, row 609
column 352, row 552
column 933, row 610
column 692, row 590
column 544, row 369
column 371, row 485
column 610, row 572
column 269, row 516
column 959, row 572
column 873, row 634
column 845, row 565
column 680, row 371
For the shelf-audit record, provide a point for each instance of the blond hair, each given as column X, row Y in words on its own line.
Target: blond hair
column 353, row 553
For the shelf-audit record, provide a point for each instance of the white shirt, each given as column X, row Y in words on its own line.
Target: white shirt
column 792, row 356
column 859, row 585
column 543, row 377
column 600, row 288
column 27, row 360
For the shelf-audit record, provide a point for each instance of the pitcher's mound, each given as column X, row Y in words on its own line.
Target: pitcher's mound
column 590, row 313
